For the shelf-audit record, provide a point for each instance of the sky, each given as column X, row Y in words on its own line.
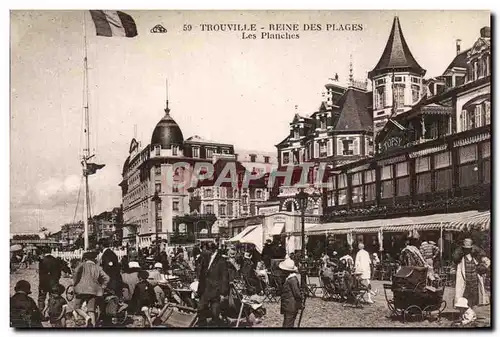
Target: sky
column 221, row 87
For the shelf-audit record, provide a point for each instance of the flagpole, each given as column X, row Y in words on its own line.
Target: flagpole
column 86, row 151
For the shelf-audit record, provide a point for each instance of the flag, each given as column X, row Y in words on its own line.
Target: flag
column 92, row 168
column 113, row 23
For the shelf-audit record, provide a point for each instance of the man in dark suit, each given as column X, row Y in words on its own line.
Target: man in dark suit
column 49, row 270
column 109, row 263
column 213, row 285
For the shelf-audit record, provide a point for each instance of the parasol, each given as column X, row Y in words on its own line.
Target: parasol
column 15, row 248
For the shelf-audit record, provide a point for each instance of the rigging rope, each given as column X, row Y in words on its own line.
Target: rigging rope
column 78, row 199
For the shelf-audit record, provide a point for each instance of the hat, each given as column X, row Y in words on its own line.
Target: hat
column 133, row 264
column 334, row 253
column 231, row 252
column 248, row 255
column 361, row 245
column 374, row 254
column 89, row 255
column 143, row 274
column 288, row 265
column 467, row 243
column 462, row 303
column 268, row 241
column 23, row 285
column 158, row 265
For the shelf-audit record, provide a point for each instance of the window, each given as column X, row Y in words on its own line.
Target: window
column 222, row 192
column 174, row 150
column 244, row 199
column 253, row 157
column 266, row 159
column 210, row 152
column 196, row 152
column 380, row 98
column 402, row 179
column 222, row 210
column 323, row 149
column 158, row 224
column 380, row 81
column 423, row 174
column 348, row 147
column 415, row 93
column 399, row 95
column 342, row 185
column 415, row 80
column 207, row 193
column 323, row 123
column 443, row 173
column 157, row 170
column 357, row 189
column 296, row 134
column 175, row 205
column 296, row 156
column 259, row 194
column 286, row 158
column 486, row 150
column 158, row 206
column 157, row 150
column 387, row 185
column 467, row 154
column 158, row 187
column 468, row 175
column 209, row 209
column 175, row 189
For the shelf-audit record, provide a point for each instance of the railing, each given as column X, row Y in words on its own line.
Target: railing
column 77, row 254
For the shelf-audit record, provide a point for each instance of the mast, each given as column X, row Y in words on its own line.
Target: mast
column 86, row 131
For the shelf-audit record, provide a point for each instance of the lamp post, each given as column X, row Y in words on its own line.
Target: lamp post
column 156, row 199
column 302, row 198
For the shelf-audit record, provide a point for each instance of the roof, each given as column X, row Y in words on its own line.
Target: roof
column 460, row 61
column 198, row 139
column 354, row 115
column 397, row 54
column 167, row 132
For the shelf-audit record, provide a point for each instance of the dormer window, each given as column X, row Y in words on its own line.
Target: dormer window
column 196, row 152
column 175, row 148
column 296, row 134
column 253, row 157
column 210, row 153
column 157, row 150
column 323, row 123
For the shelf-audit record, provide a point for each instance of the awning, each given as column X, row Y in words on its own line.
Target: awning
column 471, row 140
column 436, row 109
column 479, row 221
column 448, row 221
column 277, row 229
column 425, row 152
column 240, row 235
column 254, row 236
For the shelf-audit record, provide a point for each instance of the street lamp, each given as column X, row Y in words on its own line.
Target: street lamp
column 302, row 198
column 156, row 199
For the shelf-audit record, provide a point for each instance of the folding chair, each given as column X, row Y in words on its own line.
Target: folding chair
column 328, row 288
column 245, row 304
column 175, row 316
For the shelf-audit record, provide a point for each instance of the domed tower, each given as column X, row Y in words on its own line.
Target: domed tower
column 396, row 79
column 167, row 138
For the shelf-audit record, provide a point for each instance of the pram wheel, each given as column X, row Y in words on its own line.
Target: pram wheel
column 413, row 314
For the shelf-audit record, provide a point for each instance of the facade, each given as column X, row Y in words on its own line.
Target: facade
column 434, row 157
column 257, row 161
column 70, row 232
column 180, row 212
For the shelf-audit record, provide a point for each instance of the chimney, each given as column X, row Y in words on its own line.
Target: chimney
column 485, row 32
column 458, row 45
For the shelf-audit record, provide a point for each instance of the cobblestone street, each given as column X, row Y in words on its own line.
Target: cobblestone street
column 318, row 313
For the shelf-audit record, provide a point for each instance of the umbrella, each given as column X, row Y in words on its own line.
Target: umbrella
column 15, row 248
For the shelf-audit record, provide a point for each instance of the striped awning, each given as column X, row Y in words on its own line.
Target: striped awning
column 425, row 152
column 480, row 221
column 472, row 139
column 447, row 221
column 390, row 161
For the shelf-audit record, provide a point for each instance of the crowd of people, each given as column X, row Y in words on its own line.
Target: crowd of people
column 140, row 281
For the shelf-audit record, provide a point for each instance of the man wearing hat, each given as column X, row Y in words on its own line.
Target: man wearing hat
column 471, row 268
column 155, row 278
column 267, row 253
column 23, row 310
column 291, row 296
column 89, row 282
column 130, row 280
column 108, row 260
column 213, row 285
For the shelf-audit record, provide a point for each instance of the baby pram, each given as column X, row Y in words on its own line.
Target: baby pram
column 415, row 297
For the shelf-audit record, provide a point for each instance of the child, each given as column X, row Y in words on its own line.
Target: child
column 467, row 315
column 144, row 297
column 57, row 307
column 291, row 297
column 24, row 312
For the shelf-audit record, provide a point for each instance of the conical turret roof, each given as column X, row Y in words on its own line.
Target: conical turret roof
column 397, row 55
